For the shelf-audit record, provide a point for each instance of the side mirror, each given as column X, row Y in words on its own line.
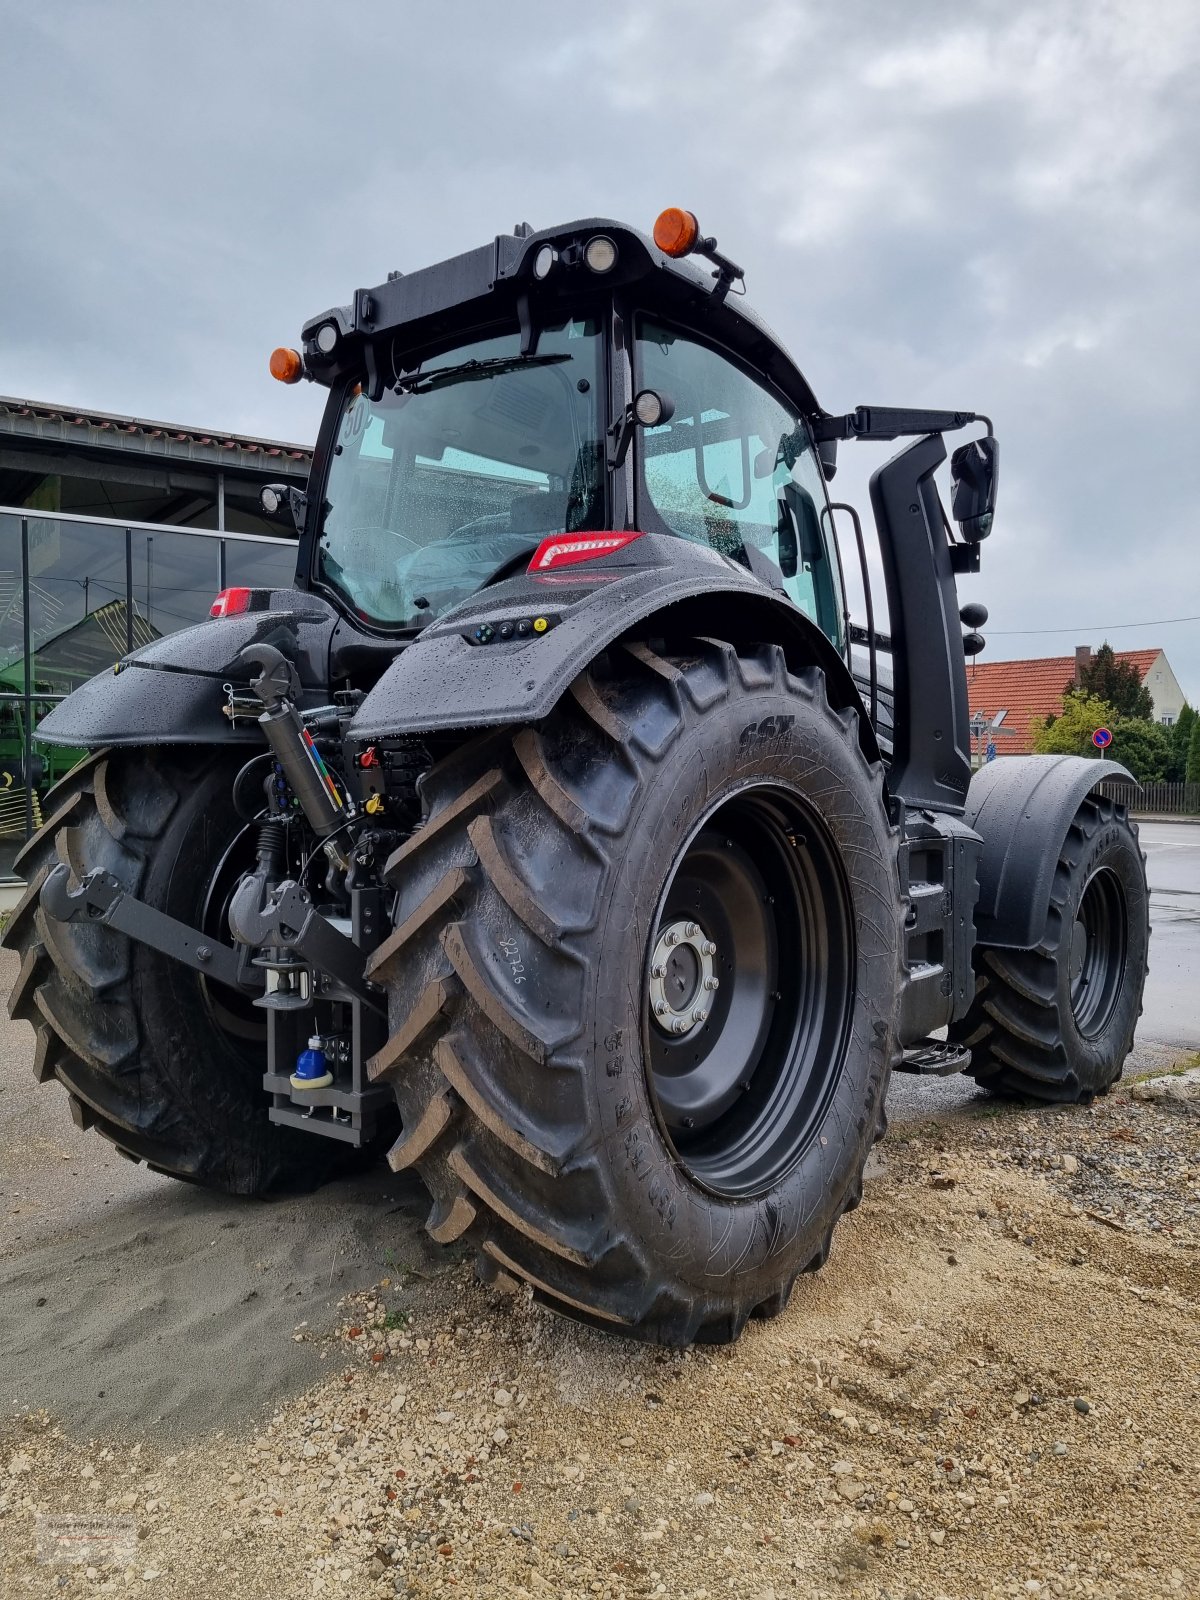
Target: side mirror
column 799, row 531
column 973, row 470
column 827, row 454
column 788, row 548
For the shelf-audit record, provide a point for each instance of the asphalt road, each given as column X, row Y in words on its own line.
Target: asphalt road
column 1172, row 1014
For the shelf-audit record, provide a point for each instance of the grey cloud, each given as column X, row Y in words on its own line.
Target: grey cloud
column 992, row 206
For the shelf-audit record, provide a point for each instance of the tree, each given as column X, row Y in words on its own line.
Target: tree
column 1192, row 774
column 1070, row 734
column 1181, row 735
column 1117, row 682
column 1143, row 747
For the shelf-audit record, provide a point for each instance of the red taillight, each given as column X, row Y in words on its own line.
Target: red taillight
column 565, row 549
column 230, row 602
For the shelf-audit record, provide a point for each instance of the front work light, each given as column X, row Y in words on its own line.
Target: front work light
column 543, row 262
column 652, row 409
column 327, row 338
column 286, row 365
column 600, row 253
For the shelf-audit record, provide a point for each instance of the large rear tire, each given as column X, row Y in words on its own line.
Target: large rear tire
column 164, row 1065
column 1056, row 1023
column 642, row 986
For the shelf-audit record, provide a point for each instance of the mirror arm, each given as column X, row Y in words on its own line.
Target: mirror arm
column 620, row 432
column 892, row 422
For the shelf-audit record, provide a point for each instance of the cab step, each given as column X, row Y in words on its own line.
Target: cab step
column 934, row 1058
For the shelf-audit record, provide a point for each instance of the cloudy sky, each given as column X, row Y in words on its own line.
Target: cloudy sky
column 990, row 206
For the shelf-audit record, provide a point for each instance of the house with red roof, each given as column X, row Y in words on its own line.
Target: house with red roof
column 1028, row 690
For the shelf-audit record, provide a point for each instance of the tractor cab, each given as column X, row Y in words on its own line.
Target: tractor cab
column 599, row 390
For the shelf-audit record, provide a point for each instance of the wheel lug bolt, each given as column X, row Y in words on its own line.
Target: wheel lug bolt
column 698, row 1015
column 658, row 970
column 679, row 1025
column 710, row 948
column 671, row 938
column 661, row 1008
column 692, row 929
column 712, row 983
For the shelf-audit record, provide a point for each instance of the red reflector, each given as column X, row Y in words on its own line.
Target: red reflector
column 564, row 550
column 230, row 602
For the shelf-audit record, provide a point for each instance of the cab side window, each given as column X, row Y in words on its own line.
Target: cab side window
column 735, row 469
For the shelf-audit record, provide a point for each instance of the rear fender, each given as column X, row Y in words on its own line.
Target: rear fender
column 446, row 680
column 170, row 691
column 1022, row 806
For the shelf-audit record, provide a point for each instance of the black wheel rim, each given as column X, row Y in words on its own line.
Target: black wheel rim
column 1099, row 939
column 742, row 1068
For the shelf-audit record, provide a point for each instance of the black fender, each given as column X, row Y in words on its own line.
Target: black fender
column 1022, row 806
column 447, row 680
column 170, row 691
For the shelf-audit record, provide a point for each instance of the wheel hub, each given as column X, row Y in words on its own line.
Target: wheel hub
column 682, row 980
column 739, row 1069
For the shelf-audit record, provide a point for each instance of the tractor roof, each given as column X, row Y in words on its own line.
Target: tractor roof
column 496, row 281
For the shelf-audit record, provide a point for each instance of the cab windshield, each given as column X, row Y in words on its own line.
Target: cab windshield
column 461, row 469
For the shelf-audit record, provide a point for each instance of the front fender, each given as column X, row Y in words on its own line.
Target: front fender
column 169, row 692
column 445, row 680
column 1022, row 807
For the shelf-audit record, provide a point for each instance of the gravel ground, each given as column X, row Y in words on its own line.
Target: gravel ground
column 990, row 1390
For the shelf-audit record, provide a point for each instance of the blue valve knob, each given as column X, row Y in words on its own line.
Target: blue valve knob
column 312, row 1068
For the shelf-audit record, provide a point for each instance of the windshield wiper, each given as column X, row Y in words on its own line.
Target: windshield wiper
column 467, row 371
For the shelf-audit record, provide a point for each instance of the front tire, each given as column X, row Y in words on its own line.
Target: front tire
column 647, row 1149
column 1056, row 1023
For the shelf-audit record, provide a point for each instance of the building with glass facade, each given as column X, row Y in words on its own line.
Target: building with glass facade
column 113, row 532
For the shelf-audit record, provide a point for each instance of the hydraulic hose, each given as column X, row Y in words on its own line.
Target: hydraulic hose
column 310, row 780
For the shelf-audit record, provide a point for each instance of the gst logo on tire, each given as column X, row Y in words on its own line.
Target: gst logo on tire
column 768, row 728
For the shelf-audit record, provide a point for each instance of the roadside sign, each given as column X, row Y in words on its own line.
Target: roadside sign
column 991, row 750
column 1102, row 738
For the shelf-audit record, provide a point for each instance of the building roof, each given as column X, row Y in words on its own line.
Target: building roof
column 1029, row 689
column 72, row 425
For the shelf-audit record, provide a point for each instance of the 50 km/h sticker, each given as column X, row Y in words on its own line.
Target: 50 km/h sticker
column 1102, row 738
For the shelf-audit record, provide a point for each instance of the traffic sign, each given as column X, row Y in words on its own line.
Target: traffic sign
column 1102, row 738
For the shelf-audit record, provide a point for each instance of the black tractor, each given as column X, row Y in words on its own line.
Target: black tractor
column 557, row 832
